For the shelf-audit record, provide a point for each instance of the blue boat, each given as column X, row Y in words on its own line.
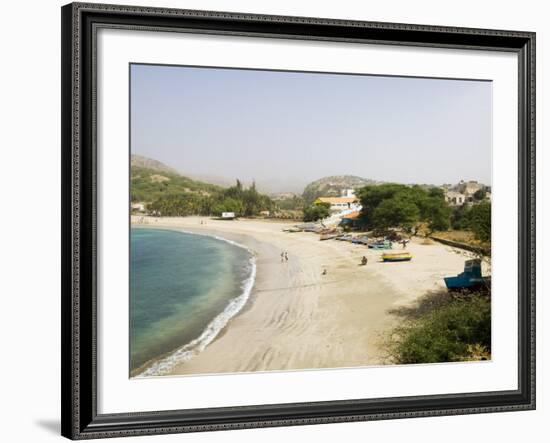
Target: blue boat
column 382, row 244
column 470, row 279
column 361, row 240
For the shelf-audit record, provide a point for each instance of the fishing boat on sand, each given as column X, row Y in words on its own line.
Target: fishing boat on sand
column 381, row 244
column 396, row 256
column 470, row 279
column 328, row 235
column 344, row 237
column 293, row 229
column 361, row 240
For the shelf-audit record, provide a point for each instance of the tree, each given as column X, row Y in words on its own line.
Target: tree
column 401, row 206
column 293, row 202
column 460, row 217
column 436, row 192
column 229, row 205
column 396, row 212
column 316, row 212
column 437, row 213
column 480, row 221
column 371, row 196
column 176, row 205
column 480, row 194
column 250, row 201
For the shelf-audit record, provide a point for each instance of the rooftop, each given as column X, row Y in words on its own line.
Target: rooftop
column 454, row 194
column 353, row 215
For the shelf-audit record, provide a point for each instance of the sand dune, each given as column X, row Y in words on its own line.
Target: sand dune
column 298, row 318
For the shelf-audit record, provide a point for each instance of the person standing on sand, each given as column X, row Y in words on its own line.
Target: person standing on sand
column 286, row 256
column 282, row 257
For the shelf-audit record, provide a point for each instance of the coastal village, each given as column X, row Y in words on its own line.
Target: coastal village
column 345, row 224
column 342, row 218
column 335, row 212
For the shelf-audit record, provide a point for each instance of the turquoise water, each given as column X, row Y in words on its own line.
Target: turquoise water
column 183, row 289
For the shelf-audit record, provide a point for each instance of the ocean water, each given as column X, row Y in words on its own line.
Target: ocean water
column 183, row 289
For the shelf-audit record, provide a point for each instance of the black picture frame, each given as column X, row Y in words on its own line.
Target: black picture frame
column 79, row 176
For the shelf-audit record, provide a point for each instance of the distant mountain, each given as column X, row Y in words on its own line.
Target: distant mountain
column 151, row 179
column 223, row 182
column 139, row 161
column 264, row 185
column 333, row 186
column 283, row 195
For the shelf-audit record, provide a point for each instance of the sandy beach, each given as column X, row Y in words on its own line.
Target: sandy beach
column 298, row 318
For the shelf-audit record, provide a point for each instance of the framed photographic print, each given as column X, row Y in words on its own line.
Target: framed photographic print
column 273, row 221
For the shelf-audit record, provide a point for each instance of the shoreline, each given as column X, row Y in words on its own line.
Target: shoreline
column 163, row 364
column 297, row 318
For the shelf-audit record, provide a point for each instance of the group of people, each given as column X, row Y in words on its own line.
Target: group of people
column 284, row 256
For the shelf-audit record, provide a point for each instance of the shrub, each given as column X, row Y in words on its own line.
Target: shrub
column 457, row 331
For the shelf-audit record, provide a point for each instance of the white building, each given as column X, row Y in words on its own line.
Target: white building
column 339, row 204
column 455, row 198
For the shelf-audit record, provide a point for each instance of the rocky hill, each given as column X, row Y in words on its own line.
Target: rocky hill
column 333, row 186
column 139, row 161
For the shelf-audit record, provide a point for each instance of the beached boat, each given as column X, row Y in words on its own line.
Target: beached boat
column 383, row 244
column 361, row 240
column 344, row 237
column 315, row 229
column 309, row 227
column 328, row 235
column 293, row 229
column 470, row 279
column 396, row 256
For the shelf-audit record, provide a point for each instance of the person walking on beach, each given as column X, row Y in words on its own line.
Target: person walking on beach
column 324, row 272
column 282, row 257
column 286, row 256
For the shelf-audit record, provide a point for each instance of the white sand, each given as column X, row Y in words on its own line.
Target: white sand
column 298, row 318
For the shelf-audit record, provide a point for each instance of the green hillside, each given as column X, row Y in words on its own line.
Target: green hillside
column 148, row 185
column 165, row 192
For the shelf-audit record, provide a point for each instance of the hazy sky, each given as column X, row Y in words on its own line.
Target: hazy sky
column 292, row 128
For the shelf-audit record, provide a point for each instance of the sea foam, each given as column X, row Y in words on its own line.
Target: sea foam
column 165, row 364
